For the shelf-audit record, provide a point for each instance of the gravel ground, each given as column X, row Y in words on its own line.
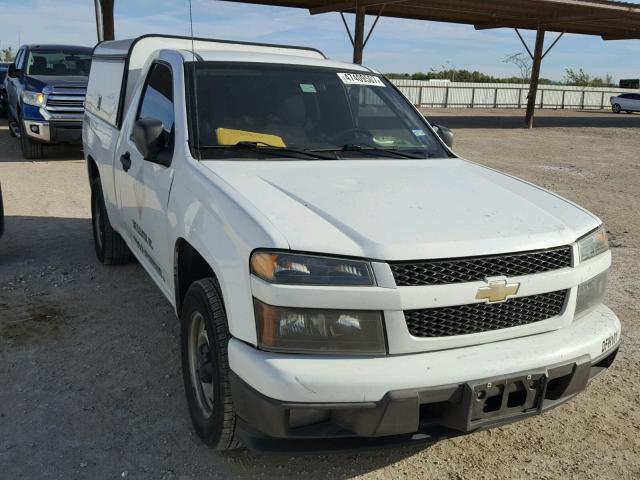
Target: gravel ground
column 90, row 383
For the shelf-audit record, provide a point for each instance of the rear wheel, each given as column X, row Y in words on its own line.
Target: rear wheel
column 110, row 247
column 31, row 150
column 616, row 108
column 205, row 365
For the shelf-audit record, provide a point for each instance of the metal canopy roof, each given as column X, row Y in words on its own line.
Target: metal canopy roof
column 608, row 19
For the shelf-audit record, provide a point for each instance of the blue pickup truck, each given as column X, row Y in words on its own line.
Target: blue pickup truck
column 45, row 89
column 4, row 66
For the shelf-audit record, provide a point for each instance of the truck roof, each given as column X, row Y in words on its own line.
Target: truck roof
column 144, row 45
column 135, row 52
column 40, row 46
column 279, row 58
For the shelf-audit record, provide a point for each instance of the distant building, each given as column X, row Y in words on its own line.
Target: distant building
column 630, row 83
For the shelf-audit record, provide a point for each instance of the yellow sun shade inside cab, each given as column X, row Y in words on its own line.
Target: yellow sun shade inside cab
column 227, row 136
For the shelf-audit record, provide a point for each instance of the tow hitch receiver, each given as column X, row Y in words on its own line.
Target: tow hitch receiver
column 496, row 401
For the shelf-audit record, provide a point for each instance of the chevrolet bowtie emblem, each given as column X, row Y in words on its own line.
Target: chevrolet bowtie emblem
column 497, row 291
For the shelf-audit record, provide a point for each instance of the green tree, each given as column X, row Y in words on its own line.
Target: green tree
column 581, row 78
column 6, row 54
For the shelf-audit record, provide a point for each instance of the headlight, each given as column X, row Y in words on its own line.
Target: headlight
column 319, row 331
column 298, row 269
column 593, row 244
column 33, row 98
column 591, row 293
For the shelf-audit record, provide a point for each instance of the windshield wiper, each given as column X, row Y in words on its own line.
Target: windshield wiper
column 265, row 148
column 370, row 149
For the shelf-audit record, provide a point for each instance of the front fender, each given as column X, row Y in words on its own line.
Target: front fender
column 30, row 112
column 215, row 220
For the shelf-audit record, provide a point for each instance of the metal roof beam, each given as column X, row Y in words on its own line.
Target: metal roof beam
column 533, row 22
column 350, row 5
column 623, row 36
column 617, row 6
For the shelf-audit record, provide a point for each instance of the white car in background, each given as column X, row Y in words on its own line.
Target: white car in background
column 629, row 102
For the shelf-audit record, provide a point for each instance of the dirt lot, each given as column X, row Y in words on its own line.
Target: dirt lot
column 90, row 383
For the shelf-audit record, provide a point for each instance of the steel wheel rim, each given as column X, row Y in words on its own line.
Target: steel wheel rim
column 200, row 366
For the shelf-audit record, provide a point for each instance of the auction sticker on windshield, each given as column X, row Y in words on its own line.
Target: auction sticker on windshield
column 360, row 79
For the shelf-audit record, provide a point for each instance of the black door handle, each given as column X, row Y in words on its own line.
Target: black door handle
column 125, row 160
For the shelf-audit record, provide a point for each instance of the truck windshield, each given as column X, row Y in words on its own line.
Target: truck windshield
column 58, row 62
column 239, row 110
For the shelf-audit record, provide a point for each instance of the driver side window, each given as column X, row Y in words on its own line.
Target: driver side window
column 157, row 98
column 18, row 59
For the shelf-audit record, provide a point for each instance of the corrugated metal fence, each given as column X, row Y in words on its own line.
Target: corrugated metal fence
column 504, row 95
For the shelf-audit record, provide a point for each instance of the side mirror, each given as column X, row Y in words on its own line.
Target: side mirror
column 445, row 134
column 149, row 137
column 12, row 71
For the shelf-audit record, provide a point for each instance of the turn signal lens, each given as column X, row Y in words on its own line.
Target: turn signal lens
column 298, row 269
column 591, row 294
column 319, row 331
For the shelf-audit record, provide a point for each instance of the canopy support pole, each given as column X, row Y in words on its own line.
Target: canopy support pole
column 358, row 35
column 104, row 20
column 366, row 40
column 346, row 26
column 524, row 43
column 535, row 75
column 99, row 23
column 553, row 44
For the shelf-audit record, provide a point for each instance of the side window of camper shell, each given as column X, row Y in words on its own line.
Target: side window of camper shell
column 104, row 89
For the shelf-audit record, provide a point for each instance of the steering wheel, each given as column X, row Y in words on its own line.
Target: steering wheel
column 352, row 135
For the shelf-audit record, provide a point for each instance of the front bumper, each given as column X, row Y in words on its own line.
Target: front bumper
column 309, row 397
column 54, row 131
column 46, row 127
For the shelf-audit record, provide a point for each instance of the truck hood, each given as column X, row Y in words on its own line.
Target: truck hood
column 404, row 209
column 38, row 82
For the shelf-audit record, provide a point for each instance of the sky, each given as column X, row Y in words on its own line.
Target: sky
column 395, row 46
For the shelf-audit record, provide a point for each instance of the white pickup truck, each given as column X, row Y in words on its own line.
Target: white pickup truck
column 338, row 271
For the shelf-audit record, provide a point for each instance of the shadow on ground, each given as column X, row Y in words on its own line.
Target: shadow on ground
column 13, row 153
column 580, row 119
column 90, row 368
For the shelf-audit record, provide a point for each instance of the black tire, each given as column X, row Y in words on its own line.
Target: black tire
column 616, row 108
column 31, row 150
column 1, row 213
column 214, row 421
column 110, row 247
column 10, row 120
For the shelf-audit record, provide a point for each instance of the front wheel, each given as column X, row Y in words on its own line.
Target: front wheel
column 31, row 150
column 616, row 108
column 205, row 365
column 10, row 121
column 1, row 213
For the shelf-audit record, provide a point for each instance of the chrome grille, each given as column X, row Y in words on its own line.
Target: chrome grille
column 484, row 317
column 63, row 101
column 471, row 269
